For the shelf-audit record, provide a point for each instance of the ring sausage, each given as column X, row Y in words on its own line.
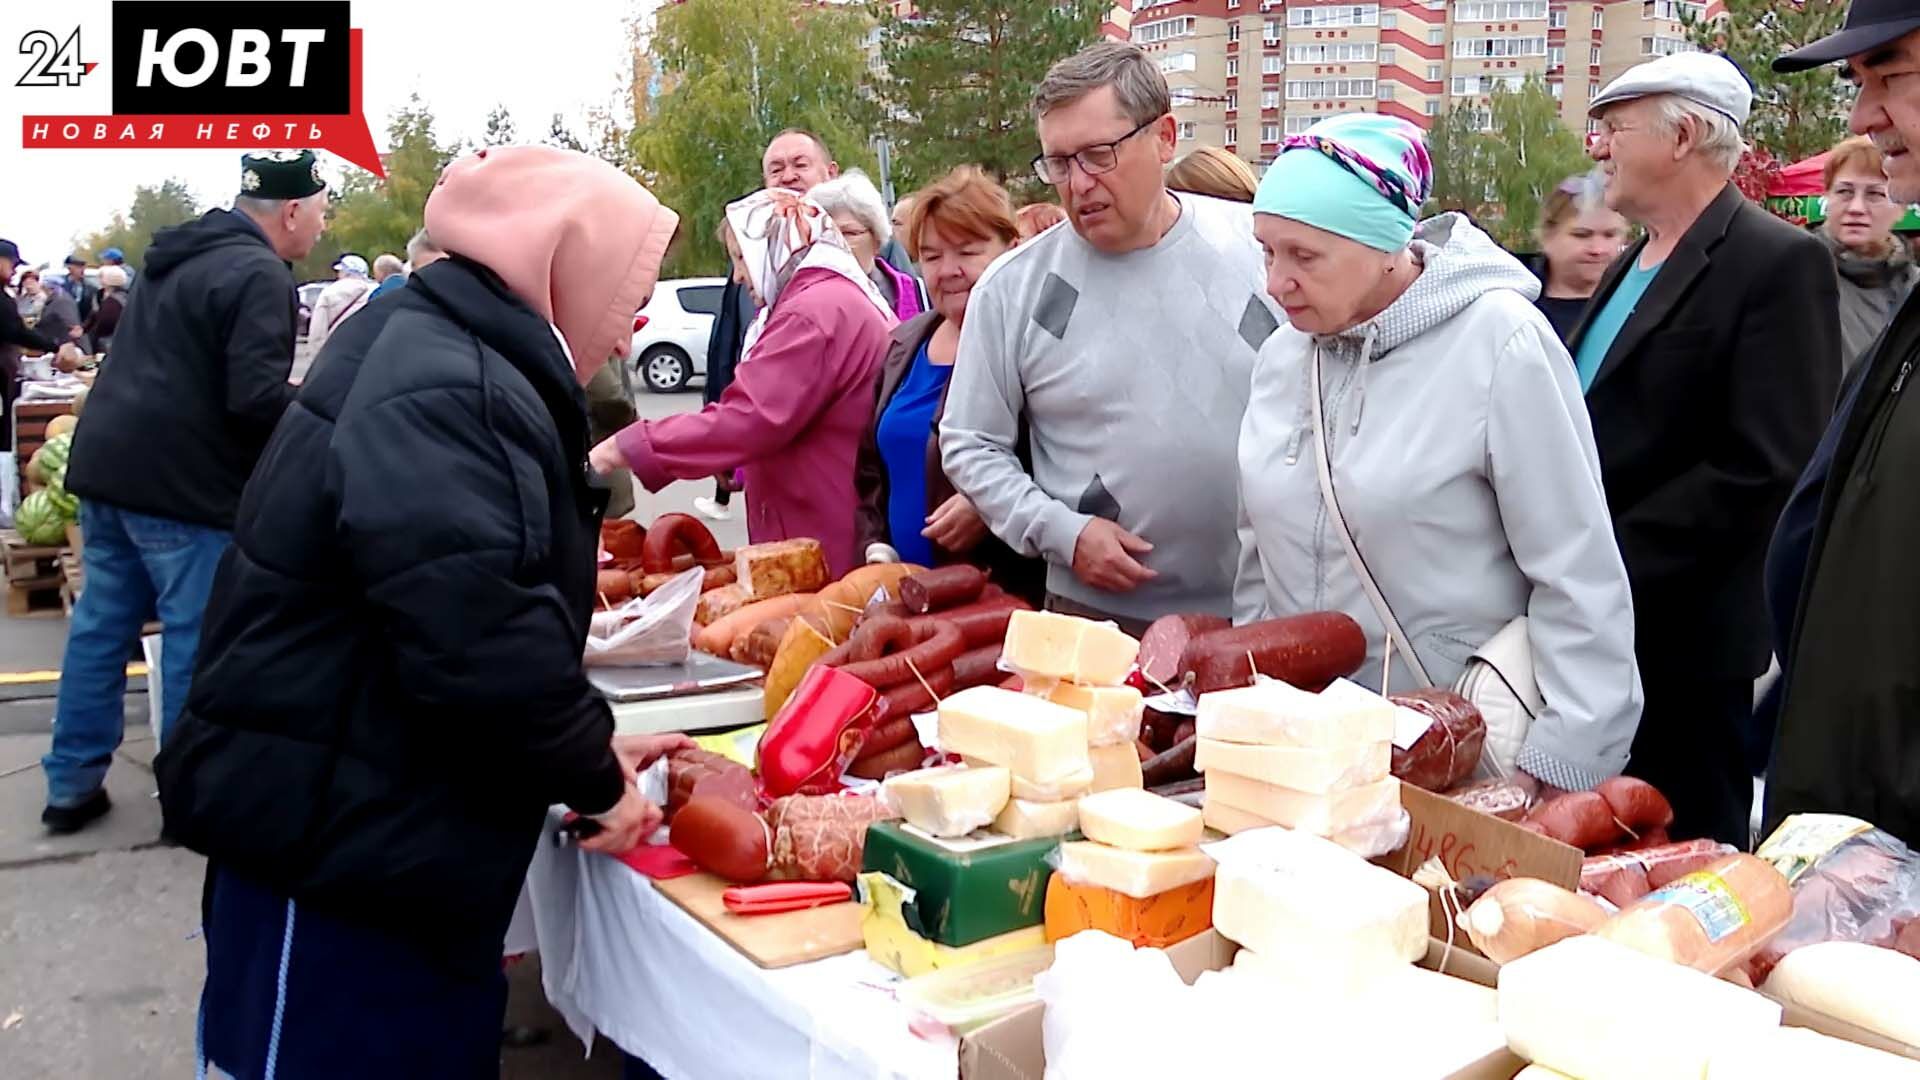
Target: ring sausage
column 1309, row 651
column 623, row 539
column 1175, row 763
column 903, row 758
column 934, row 645
column 938, row 590
column 1166, row 640
column 886, row 735
column 983, row 622
column 977, row 667
column 905, row 699
column 673, row 533
column 722, row 838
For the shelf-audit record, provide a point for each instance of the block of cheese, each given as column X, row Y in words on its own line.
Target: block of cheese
column 893, row 944
column 1113, row 712
column 1342, row 920
column 964, row 889
column 1321, row 815
column 1232, row 820
column 1788, row 1053
column 1069, row 648
column 1598, row 1010
column 1139, row 820
column 1313, row 770
column 1154, row 922
column 1071, row 786
column 1275, row 714
column 1138, row 874
column 1031, row 738
column 1869, row 986
column 1024, row 819
column 949, row 800
column 1115, row 766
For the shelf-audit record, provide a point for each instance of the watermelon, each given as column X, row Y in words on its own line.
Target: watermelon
column 39, row 521
column 53, row 457
column 66, row 502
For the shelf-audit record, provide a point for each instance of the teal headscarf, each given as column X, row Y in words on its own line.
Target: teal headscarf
column 1363, row 176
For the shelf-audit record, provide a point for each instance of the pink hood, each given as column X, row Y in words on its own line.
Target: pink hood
column 577, row 239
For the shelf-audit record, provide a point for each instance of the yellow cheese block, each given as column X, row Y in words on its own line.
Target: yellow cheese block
column 1275, row 714
column 1116, row 766
column 1113, row 712
column 892, row 944
column 1031, row 738
column 1069, row 648
column 1314, row 770
column 1139, row 820
column 1138, row 874
column 949, row 800
column 1321, row 815
column 1071, row 786
column 1024, row 819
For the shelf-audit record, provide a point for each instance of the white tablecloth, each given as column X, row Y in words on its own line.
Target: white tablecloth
column 621, row 959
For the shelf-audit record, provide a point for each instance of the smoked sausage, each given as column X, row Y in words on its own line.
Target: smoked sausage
column 886, row 735
column 977, row 667
column 673, row 533
column 1173, row 764
column 1580, row 818
column 1636, row 804
column 1309, row 651
column 923, row 647
column 722, row 838
column 1449, row 750
column 903, row 758
column 946, row 587
column 983, row 622
column 904, row 699
column 623, row 539
column 1165, row 643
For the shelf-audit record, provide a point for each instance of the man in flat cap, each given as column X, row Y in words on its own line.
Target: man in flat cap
column 1842, row 575
column 173, row 427
column 1707, row 359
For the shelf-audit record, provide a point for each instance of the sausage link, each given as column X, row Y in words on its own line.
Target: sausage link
column 935, row 645
column 1636, row 804
column 1165, row 643
column 983, row 622
column 901, row 701
column 903, row 758
column 937, row 590
column 977, row 667
column 723, row 838
column 888, row 734
column 673, row 533
column 1309, row 651
column 1168, row 766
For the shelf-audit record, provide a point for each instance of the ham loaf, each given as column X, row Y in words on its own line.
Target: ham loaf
column 1308, row 651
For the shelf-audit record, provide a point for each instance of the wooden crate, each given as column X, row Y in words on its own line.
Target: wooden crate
column 24, row 562
column 35, row 597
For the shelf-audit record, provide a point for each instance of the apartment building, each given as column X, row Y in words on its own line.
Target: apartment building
column 1247, row 73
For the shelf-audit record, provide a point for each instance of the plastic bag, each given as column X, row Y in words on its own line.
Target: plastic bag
column 1626, row 876
column 652, row 630
column 1851, row 882
column 1094, row 996
column 1519, row 915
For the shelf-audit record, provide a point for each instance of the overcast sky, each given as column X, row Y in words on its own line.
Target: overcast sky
column 461, row 57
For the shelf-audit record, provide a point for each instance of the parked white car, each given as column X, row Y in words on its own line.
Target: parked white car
column 670, row 333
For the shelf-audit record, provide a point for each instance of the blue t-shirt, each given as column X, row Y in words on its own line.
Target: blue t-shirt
column 904, row 429
column 1609, row 319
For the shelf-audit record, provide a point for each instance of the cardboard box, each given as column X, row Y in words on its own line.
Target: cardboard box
column 1011, row 1048
column 1468, row 842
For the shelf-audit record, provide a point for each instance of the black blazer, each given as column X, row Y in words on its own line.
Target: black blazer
column 1705, row 409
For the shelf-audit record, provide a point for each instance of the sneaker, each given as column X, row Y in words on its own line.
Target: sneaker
column 712, row 510
column 61, row 820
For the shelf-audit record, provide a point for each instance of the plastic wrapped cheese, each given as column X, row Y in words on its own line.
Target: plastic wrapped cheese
column 1138, row 874
column 950, row 800
column 1368, row 841
column 1798, row 1054
column 1321, row 815
column 1313, row 770
column 1595, row 1009
column 1865, row 985
column 1113, row 712
column 1066, row 647
column 1276, row 714
column 1032, row 738
column 1139, row 820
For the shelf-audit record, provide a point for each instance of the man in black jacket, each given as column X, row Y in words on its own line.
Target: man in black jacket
column 1848, row 739
column 15, row 335
column 1706, row 354
column 85, row 293
column 173, row 427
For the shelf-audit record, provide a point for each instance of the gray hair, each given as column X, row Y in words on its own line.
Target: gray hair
column 256, row 207
column 1716, row 138
column 1136, row 81
column 422, row 244
column 386, row 266
column 852, row 193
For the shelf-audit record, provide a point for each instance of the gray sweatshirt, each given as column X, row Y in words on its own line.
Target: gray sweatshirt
column 1131, row 372
column 1466, row 470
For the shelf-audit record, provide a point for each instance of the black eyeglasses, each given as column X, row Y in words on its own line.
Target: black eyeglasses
column 1094, row 160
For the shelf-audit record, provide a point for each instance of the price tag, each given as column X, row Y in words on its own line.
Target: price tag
column 1408, row 726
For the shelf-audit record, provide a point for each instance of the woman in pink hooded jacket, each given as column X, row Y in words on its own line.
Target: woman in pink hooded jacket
column 803, row 393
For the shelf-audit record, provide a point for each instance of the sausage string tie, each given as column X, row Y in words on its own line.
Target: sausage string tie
column 911, row 666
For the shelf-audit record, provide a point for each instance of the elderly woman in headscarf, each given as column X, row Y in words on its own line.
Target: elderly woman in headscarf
column 1455, row 445
column 800, row 400
column 390, row 692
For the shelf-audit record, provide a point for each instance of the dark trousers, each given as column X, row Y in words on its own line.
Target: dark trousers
column 1691, row 745
column 294, row 994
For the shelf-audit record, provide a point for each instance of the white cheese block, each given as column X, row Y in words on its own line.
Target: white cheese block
column 1024, row 819
column 1116, row 766
column 1598, row 1010
column 1032, row 739
column 1139, row 820
column 1113, row 712
column 1788, row 1053
column 950, row 800
column 1349, row 921
column 1139, row 874
column 1071, row 786
column 1321, row 815
column 1313, row 770
column 1865, row 985
column 1275, row 714
column 1365, row 841
column 1068, row 648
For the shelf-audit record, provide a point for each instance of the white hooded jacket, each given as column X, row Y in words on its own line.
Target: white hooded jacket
column 1465, row 466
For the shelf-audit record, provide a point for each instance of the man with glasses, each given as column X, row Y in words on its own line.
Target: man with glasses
column 1707, row 360
column 1122, row 347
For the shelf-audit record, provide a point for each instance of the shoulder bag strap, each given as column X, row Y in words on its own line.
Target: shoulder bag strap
column 1323, row 458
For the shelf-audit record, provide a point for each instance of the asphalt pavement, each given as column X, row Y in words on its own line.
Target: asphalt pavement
column 100, row 957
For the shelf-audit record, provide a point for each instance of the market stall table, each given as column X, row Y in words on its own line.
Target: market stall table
column 620, row 959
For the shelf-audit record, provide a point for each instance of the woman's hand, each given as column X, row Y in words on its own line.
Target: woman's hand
column 955, row 525
column 606, row 458
column 636, row 752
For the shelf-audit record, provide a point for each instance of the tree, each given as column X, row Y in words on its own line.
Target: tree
column 1502, row 173
column 559, row 135
column 959, row 75
column 154, row 207
column 500, row 130
column 736, row 73
column 370, row 215
column 1794, row 116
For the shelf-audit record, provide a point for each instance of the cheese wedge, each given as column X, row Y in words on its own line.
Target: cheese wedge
column 1024, row 819
column 1139, row 820
column 950, row 800
column 1312, row 770
column 1116, row 766
column 1031, row 738
column 1275, row 714
column 1138, row 874
column 1113, row 712
column 1321, row 815
column 1069, row 648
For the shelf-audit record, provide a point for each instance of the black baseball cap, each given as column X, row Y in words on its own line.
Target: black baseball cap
column 1870, row 24
column 75, row 260
column 9, row 250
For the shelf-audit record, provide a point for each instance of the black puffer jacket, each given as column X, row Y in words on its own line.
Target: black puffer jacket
column 389, row 691
column 198, row 376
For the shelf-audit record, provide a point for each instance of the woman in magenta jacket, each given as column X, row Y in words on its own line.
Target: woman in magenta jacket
column 803, row 393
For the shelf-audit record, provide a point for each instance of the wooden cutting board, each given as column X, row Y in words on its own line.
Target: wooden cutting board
column 772, row 941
